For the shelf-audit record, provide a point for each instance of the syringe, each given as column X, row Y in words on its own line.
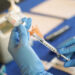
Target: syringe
column 49, row 46
column 15, row 19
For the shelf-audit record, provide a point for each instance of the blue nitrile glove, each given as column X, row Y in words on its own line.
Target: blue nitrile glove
column 68, row 49
column 23, row 54
column 3, row 70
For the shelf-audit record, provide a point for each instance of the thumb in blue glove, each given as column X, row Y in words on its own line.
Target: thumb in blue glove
column 68, row 49
column 23, row 54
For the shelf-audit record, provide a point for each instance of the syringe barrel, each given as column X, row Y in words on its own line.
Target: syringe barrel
column 53, row 49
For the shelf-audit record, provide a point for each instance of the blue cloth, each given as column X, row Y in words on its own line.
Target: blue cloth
column 27, row 5
column 43, row 52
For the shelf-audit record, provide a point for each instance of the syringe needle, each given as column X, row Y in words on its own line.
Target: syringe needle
column 53, row 49
column 65, row 57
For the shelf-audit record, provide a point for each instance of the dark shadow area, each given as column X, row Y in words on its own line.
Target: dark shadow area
column 5, row 4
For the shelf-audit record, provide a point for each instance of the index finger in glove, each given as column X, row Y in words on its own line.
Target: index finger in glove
column 23, row 37
column 68, row 50
column 67, row 43
column 70, row 63
column 29, row 22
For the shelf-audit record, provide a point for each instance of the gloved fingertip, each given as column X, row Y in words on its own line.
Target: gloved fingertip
column 24, row 19
column 28, row 25
column 30, row 19
column 68, row 64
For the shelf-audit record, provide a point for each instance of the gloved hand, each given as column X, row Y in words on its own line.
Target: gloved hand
column 23, row 54
column 68, row 49
column 3, row 70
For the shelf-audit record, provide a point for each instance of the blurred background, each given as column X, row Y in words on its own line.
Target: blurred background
column 45, row 13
